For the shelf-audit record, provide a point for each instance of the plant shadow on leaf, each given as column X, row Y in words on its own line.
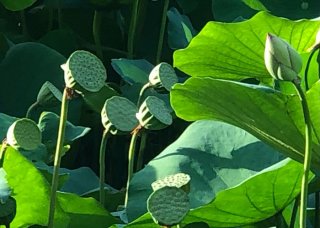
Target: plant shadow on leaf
column 209, row 152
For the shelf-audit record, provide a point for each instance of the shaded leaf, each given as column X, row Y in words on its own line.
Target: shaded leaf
column 15, row 5
column 216, row 156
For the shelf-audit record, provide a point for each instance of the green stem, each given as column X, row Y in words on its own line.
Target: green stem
column 57, row 158
column 31, row 108
column 141, row 93
column 307, row 155
column 3, row 149
column 133, row 28
column 102, row 159
column 59, row 14
column 50, row 18
column 162, row 30
column 97, row 18
column 24, row 24
column 294, row 212
column 142, row 147
column 314, row 49
column 131, row 161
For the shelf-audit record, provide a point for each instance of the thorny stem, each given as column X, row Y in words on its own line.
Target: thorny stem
column 162, row 30
column 102, row 158
column 57, row 158
column 307, row 154
column 131, row 161
column 96, row 32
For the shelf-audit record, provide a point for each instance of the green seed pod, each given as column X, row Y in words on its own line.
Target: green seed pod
column 179, row 180
column 8, row 211
column 83, row 72
column 49, row 95
column 119, row 115
column 168, row 206
column 281, row 60
column 163, row 76
column 153, row 114
column 24, row 134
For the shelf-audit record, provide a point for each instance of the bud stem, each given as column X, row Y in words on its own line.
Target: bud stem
column 307, row 154
column 102, row 160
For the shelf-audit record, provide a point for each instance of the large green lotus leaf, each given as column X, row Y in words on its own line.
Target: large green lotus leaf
column 5, row 122
column 257, row 198
column 230, row 10
column 49, row 124
column 236, row 50
column 216, row 156
column 25, row 68
column 260, row 110
column 31, row 191
column 85, row 212
column 132, row 71
column 15, row 5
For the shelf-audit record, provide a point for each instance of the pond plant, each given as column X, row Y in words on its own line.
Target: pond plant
column 244, row 72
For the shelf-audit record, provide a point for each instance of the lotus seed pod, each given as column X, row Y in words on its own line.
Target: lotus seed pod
column 163, row 75
column 168, row 205
column 49, row 95
column 119, row 115
column 281, row 60
column 153, row 114
column 8, row 211
column 83, row 72
column 24, row 134
column 5, row 190
column 179, row 180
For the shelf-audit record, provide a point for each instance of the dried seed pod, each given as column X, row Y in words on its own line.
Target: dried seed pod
column 153, row 114
column 179, row 180
column 168, row 205
column 163, row 75
column 25, row 134
column 119, row 115
column 83, row 72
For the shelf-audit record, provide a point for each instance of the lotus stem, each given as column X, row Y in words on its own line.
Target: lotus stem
column 308, row 64
column 142, row 147
column 96, row 32
column 57, row 158
column 307, row 154
column 102, row 159
column 162, row 30
column 133, row 28
column 30, row 109
column 131, row 160
column 141, row 93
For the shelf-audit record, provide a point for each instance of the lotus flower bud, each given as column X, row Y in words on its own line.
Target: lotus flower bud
column 281, row 60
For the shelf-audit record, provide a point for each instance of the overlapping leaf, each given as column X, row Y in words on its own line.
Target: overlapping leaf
column 235, row 50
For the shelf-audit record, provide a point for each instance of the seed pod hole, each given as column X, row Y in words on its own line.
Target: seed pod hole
column 24, row 134
column 83, row 72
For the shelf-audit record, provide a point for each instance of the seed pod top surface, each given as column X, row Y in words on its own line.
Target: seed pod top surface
column 86, row 70
column 153, row 114
column 168, row 205
column 24, row 134
column 119, row 113
column 176, row 180
column 163, row 75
